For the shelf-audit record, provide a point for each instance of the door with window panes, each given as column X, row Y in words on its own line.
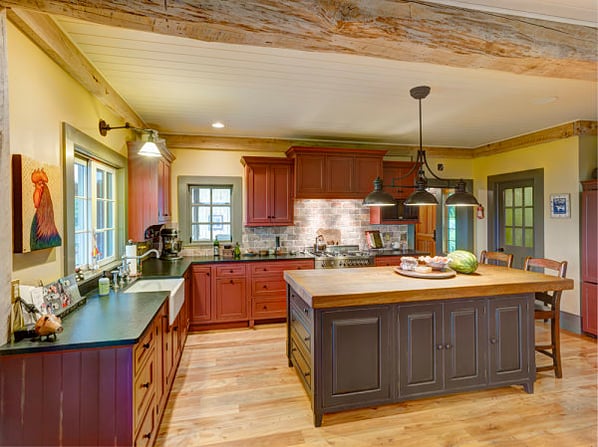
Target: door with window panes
column 516, row 219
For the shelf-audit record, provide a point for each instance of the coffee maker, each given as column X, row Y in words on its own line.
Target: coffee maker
column 171, row 244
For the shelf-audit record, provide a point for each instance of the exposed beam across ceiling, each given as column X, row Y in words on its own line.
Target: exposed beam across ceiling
column 577, row 128
column 399, row 30
column 42, row 30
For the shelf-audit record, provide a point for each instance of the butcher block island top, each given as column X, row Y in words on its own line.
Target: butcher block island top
column 328, row 288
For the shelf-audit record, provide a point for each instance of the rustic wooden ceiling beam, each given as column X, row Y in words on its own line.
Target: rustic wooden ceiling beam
column 42, row 30
column 575, row 128
column 402, row 30
column 208, row 142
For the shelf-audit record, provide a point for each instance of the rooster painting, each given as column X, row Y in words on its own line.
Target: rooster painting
column 44, row 233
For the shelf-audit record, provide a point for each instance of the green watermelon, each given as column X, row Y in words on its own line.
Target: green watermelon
column 462, row 261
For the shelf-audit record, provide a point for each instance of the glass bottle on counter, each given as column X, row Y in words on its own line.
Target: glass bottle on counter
column 216, row 247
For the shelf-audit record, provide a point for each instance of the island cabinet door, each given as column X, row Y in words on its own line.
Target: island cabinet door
column 356, row 357
column 511, row 339
column 465, row 344
column 420, row 349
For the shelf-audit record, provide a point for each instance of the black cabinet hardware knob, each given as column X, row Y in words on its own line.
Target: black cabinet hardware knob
column 145, row 385
column 148, row 435
column 146, row 346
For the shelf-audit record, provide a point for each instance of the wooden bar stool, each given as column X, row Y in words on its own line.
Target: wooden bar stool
column 496, row 258
column 550, row 309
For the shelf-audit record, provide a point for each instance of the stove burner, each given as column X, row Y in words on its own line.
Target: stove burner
column 343, row 256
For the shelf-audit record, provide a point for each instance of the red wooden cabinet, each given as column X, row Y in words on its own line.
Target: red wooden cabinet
column 268, row 289
column 398, row 214
column 384, row 261
column 334, row 173
column 589, row 256
column 269, row 189
column 148, row 191
column 200, row 303
column 112, row 395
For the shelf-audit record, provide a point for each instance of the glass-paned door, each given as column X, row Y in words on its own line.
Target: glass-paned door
column 516, row 219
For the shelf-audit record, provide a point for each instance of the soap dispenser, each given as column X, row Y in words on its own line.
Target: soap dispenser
column 104, row 285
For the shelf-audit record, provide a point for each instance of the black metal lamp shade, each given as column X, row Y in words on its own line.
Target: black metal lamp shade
column 421, row 197
column 378, row 197
column 461, row 197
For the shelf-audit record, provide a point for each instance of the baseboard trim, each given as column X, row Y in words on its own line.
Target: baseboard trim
column 571, row 322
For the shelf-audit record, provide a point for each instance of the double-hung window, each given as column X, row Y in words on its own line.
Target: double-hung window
column 95, row 209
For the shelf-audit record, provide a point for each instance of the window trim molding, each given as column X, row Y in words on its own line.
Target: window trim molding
column 75, row 141
column 183, row 183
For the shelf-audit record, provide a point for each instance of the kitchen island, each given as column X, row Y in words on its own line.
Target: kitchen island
column 369, row 336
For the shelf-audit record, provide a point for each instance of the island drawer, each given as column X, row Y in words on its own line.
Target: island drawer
column 302, row 365
column 300, row 330
column 303, row 310
column 146, row 430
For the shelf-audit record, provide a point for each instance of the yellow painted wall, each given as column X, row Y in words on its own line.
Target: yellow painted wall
column 208, row 163
column 41, row 97
column 559, row 159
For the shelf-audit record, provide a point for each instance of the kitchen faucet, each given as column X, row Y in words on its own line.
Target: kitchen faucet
column 125, row 266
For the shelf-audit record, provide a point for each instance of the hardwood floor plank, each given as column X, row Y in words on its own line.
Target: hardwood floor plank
column 234, row 389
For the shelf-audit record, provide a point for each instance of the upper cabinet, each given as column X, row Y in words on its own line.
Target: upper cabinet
column 405, row 173
column 269, row 191
column 149, row 191
column 333, row 173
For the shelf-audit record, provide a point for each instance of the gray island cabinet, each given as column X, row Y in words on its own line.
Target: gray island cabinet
column 369, row 336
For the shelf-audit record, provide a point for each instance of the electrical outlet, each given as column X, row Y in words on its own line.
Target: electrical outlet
column 14, row 289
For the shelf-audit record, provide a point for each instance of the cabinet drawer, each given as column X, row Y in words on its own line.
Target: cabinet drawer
column 273, row 285
column 145, row 435
column 300, row 331
column 301, row 364
column 265, row 268
column 303, row 310
column 387, row 260
column 229, row 270
column 145, row 387
column 144, row 347
column 272, row 308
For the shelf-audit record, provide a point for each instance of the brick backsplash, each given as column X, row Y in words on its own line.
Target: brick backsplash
column 349, row 216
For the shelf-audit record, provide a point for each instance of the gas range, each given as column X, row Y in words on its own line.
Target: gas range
column 343, row 256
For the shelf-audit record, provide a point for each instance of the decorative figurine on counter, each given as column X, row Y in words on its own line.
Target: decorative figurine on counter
column 48, row 326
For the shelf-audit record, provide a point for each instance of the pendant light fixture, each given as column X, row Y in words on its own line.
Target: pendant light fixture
column 148, row 148
column 420, row 197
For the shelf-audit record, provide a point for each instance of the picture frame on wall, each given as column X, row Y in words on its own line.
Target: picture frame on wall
column 560, row 205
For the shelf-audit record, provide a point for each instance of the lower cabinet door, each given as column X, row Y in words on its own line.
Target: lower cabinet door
column 356, row 357
column 589, row 307
column 465, row 341
column 509, row 335
column 420, row 350
column 230, row 299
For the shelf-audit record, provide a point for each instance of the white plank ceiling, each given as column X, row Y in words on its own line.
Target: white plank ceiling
column 182, row 86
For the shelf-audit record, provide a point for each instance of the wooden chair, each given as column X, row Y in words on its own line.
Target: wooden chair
column 496, row 258
column 550, row 309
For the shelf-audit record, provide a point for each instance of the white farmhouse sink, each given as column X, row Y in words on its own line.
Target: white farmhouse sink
column 176, row 287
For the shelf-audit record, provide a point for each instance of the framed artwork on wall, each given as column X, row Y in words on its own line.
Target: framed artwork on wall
column 35, row 200
column 560, row 206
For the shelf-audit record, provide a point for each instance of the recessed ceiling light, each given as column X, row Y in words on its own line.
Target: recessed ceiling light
column 545, row 100
column 217, row 125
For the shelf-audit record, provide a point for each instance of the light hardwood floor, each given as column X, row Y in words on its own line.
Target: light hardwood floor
column 234, row 388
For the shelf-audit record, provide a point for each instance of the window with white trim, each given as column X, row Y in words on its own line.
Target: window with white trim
column 95, row 208
column 211, row 213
